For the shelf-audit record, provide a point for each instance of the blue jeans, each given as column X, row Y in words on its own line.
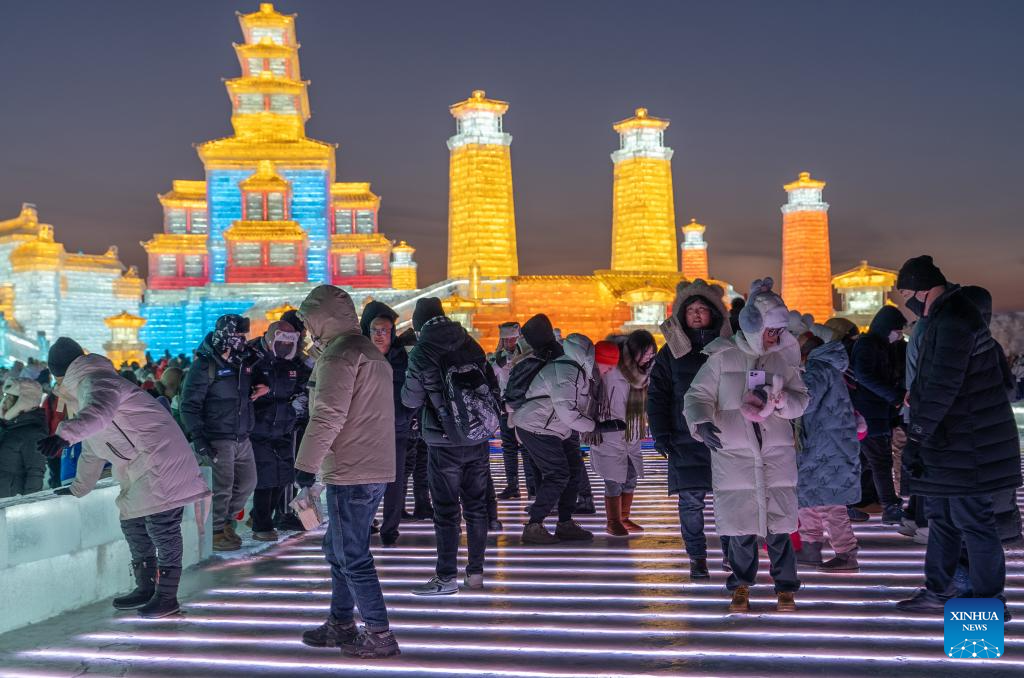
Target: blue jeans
column 691, row 524
column 616, row 489
column 354, row 582
column 957, row 521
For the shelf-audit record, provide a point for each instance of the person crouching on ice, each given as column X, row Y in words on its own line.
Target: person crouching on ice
column 118, row 422
column 740, row 405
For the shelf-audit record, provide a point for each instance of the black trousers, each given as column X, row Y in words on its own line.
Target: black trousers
column 877, row 452
column 264, row 502
column 416, row 467
column 394, row 494
column 156, row 536
column 510, row 450
column 458, row 484
column 560, row 466
column 952, row 523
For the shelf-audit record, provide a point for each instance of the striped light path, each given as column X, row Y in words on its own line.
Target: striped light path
column 614, row 607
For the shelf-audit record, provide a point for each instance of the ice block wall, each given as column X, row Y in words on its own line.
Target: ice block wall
column 60, row 553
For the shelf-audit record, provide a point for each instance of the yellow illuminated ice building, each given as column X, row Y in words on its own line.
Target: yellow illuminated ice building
column 270, row 221
column 46, row 291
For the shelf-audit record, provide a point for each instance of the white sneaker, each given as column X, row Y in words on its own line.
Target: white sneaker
column 437, row 587
column 921, row 537
column 474, row 581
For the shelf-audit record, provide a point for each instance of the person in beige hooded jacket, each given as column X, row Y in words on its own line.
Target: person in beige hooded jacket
column 350, row 440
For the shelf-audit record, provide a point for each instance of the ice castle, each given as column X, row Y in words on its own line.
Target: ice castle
column 270, row 222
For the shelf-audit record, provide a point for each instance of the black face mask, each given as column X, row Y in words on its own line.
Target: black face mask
column 915, row 306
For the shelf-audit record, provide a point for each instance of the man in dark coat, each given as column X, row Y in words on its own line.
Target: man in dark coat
column 217, row 414
column 457, row 473
column 698, row 317
column 378, row 324
column 963, row 445
column 878, row 395
column 278, row 365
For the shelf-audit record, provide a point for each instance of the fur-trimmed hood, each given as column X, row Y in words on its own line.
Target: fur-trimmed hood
column 672, row 329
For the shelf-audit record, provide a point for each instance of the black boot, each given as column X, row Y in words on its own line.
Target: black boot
column 699, row 568
column 585, row 506
column 145, row 585
column 164, row 602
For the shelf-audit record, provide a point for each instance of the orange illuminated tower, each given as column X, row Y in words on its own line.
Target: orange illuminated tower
column 806, row 263
column 481, row 215
column 643, row 211
column 695, row 252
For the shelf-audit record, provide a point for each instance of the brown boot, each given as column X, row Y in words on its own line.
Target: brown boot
column 222, row 542
column 740, row 600
column 229, row 532
column 786, row 602
column 613, row 509
column 627, row 503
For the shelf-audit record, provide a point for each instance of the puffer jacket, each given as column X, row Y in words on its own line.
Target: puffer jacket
column 558, row 400
column 677, row 363
column 118, row 422
column 350, row 436
column 21, row 465
column 275, row 414
column 610, row 458
column 829, row 458
column 878, row 393
column 438, row 338
column 397, row 357
column 754, row 481
column 960, row 417
column 215, row 396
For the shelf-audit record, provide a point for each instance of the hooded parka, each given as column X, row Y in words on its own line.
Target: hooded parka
column 350, row 436
column 754, row 478
column 22, row 426
column 558, row 399
column 677, row 363
column 829, row 458
column 396, row 356
column 118, row 422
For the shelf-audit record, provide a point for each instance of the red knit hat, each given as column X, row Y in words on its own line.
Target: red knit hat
column 606, row 353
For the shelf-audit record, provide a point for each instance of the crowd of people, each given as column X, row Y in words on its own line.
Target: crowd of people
column 795, row 427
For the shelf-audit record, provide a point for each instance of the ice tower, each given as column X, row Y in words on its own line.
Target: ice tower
column 643, row 212
column 481, row 215
column 694, row 259
column 806, row 263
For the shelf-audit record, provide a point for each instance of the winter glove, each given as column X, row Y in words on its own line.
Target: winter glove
column 63, row 491
column 708, row 433
column 912, row 458
column 610, row 425
column 51, row 446
column 661, row 447
column 304, row 479
column 203, row 448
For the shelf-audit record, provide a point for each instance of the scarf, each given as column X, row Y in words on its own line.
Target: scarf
column 636, row 403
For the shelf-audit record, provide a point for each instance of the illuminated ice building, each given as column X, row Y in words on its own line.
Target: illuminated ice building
column 46, row 291
column 636, row 291
column 270, row 222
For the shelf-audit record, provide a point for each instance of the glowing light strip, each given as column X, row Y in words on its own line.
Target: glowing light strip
column 392, row 559
column 646, row 653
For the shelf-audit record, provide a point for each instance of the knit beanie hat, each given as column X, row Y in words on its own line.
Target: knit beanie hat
column 764, row 309
column 606, row 353
column 426, row 309
column 919, row 273
column 538, row 331
column 509, row 330
column 63, row 352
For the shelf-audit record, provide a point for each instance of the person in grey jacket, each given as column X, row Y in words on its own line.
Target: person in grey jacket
column 556, row 407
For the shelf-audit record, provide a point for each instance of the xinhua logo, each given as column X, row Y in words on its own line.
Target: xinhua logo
column 974, row 628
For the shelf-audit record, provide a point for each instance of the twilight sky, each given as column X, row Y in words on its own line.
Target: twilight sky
column 911, row 111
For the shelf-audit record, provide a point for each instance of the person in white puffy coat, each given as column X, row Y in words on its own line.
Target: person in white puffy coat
column 120, row 424
column 741, row 404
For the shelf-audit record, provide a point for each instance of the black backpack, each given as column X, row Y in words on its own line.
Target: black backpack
column 466, row 407
column 519, row 379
